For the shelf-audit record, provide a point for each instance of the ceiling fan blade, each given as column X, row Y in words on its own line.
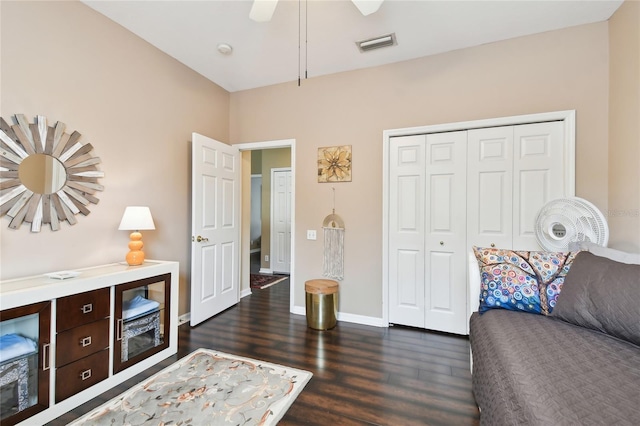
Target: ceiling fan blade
column 367, row 7
column 262, row 10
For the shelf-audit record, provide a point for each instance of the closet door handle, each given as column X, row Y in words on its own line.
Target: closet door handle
column 493, row 244
column 441, row 243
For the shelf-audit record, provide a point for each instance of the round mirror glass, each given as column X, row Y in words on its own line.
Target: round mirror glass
column 42, row 174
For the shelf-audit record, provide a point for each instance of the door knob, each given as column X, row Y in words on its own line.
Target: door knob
column 201, row 239
column 441, row 243
column 493, row 245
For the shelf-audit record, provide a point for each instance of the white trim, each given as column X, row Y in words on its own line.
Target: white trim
column 568, row 117
column 266, row 271
column 244, row 293
column 184, row 318
column 283, row 143
column 255, row 250
column 345, row 317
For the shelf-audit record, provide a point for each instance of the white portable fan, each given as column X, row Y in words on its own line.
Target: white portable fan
column 568, row 220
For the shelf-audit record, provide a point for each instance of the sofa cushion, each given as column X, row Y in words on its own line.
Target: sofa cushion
column 537, row 370
column 603, row 295
column 609, row 253
column 527, row 281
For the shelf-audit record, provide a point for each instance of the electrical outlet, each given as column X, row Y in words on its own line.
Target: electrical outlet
column 266, row 257
column 311, row 234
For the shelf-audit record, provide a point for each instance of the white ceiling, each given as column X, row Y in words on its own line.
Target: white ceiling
column 268, row 53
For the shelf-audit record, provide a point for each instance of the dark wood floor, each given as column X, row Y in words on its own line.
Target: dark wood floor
column 361, row 375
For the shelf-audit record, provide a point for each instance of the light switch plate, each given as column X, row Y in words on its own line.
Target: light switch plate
column 311, row 234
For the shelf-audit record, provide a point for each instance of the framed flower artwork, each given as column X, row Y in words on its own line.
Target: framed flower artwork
column 334, row 164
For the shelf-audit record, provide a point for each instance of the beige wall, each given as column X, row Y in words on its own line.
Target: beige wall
column 559, row 70
column 134, row 104
column 624, row 127
column 271, row 158
column 138, row 107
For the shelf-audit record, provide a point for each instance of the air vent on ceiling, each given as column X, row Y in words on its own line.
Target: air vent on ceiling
column 377, row 42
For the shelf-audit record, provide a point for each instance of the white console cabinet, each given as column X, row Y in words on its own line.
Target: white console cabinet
column 90, row 332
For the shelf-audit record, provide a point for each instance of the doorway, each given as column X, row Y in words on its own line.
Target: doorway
column 264, row 150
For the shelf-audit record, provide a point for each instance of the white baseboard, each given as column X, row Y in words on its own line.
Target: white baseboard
column 300, row 310
column 184, row 318
column 361, row 319
column 353, row 318
column 266, row 271
column 244, row 293
column 255, row 250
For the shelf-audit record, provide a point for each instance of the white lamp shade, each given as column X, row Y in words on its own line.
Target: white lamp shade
column 136, row 218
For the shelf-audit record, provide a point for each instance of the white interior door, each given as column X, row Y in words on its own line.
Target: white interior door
column 446, row 233
column 281, row 220
column 215, row 247
column 538, row 177
column 427, row 231
column 406, row 230
column 490, row 187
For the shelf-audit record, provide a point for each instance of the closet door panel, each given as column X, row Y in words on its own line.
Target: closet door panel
column 406, row 230
column 490, row 187
column 445, row 284
column 538, row 176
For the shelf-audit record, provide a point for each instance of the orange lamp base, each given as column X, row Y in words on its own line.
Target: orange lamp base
column 135, row 256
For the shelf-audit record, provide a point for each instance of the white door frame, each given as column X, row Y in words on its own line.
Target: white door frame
column 567, row 117
column 283, row 143
column 272, row 239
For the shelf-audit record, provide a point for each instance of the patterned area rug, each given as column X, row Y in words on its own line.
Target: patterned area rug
column 264, row 281
column 206, row 388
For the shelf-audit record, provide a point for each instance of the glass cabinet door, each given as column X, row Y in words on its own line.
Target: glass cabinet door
column 141, row 320
column 25, row 335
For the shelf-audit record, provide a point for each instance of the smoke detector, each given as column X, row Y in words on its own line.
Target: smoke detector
column 225, row 48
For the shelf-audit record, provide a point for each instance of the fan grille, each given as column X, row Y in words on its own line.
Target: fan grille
column 566, row 220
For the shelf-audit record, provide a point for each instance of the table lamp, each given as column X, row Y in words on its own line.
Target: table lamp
column 136, row 218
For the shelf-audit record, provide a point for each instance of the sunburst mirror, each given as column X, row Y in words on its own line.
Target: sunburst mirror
column 47, row 176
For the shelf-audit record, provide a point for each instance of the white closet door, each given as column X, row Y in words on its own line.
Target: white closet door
column 445, row 244
column 538, row 177
column 489, row 187
column 406, row 230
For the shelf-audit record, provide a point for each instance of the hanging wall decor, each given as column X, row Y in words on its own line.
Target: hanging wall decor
column 334, row 164
column 333, row 256
column 47, row 176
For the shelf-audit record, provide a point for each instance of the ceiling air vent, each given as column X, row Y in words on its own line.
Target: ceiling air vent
column 377, row 42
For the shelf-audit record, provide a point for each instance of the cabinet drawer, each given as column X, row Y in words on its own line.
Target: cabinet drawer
column 82, row 308
column 79, row 342
column 81, row 374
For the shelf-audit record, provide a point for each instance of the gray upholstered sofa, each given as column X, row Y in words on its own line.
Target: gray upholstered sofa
column 578, row 365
